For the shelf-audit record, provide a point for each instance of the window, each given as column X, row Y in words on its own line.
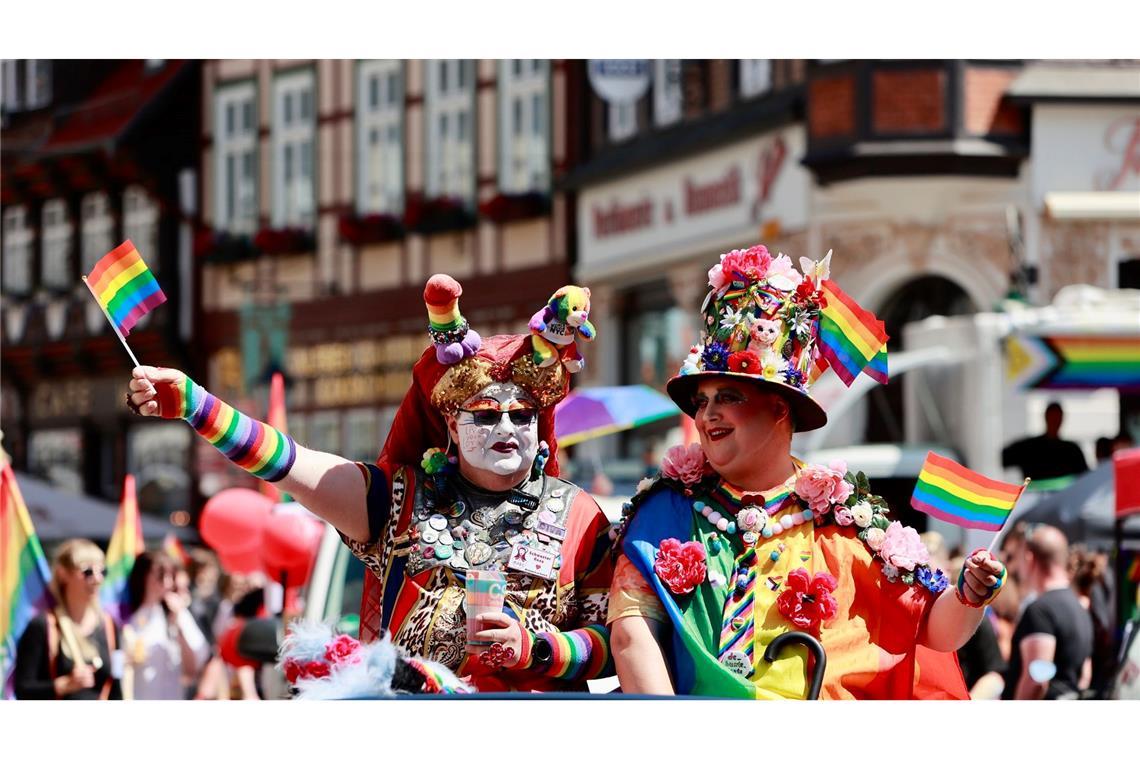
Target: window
column 451, row 147
column 96, row 224
column 38, row 74
column 12, row 85
column 294, row 120
column 362, row 432
column 380, row 137
column 140, row 224
column 524, row 134
column 667, row 97
column 755, row 76
column 235, row 178
column 622, row 121
column 56, row 254
column 17, row 268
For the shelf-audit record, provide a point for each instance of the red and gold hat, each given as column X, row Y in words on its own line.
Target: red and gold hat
column 458, row 364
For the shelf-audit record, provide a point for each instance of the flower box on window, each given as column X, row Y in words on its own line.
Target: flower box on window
column 282, row 240
column 431, row 215
column 222, row 247
column 369, row 229
column 514, row 207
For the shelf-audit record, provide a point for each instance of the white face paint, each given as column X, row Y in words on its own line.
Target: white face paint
column 498, row 445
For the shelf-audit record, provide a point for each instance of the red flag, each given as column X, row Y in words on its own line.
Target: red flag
column 276, row 419
column 1126, row 469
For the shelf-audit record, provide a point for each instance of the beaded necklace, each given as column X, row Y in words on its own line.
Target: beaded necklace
column 750, row 521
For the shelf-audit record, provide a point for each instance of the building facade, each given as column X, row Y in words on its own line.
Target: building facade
column 332, row 190
column 94, row 152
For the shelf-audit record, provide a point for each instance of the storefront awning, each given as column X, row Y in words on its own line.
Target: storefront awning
column 1124, row 205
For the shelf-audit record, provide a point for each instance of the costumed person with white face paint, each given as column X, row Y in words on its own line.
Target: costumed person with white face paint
column 467, row 479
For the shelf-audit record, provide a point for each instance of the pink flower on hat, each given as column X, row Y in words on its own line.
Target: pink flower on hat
column 822, row 486
column 752, row 263
column 685, row 463
column 902, row 547
column 782, row 273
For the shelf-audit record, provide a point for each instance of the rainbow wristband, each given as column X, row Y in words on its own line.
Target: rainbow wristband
column 257, row 448
column 577, row 655
column 992, row 592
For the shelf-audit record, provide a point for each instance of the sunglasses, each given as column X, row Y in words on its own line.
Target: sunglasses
column 491, row 417
column 90, row 572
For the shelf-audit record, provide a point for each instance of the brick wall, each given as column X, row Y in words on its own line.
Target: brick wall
column 908, row 101
column 831, row 106
column 984, row 111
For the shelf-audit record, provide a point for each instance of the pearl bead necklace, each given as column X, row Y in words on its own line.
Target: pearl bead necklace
column 772, row 527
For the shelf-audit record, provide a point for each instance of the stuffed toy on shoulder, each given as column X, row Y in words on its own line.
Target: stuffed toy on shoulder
column 554, row 328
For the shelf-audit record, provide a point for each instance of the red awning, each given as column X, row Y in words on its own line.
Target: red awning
column 111, row 107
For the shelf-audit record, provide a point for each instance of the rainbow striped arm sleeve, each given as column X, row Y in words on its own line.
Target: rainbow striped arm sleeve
column 257, row 448
column 576, row 655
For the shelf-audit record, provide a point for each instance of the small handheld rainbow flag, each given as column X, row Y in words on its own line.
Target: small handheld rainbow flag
column 24, row 573
column 125, row 289
column 126, row 544
column 851, row 340
column 958, row 495
column 174, row 549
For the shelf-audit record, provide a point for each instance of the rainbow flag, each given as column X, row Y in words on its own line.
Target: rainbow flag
column 124, row 287
column 24, row 573
column 126, row 544
column 851, row 340
column 958, row 495
column 174, row 549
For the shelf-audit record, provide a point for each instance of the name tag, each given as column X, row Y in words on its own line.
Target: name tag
column 532, row 560
column 550, row 529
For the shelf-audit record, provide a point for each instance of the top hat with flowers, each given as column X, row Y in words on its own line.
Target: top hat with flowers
column 765, row 321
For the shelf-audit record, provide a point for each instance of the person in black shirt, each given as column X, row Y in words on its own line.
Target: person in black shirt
column 65, row 652
column 1052, row 645
column 1046, row 456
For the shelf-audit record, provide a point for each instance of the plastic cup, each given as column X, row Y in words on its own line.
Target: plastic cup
column 486, row 591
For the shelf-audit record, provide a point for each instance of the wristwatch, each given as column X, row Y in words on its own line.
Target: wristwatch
column 541, row 653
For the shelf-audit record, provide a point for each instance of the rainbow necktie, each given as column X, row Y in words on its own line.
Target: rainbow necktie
column 737, row 621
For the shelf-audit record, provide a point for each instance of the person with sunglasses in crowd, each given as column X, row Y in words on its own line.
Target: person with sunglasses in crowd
column 466, row 480
column 66, row 651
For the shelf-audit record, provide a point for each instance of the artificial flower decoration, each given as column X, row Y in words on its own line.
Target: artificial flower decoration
column 807, row 601
column 681, row 567
column 715, row 357
column 435, row 461
column 686, row 464
column 902, row 548
column 932, row 578
column 821, row 487
column 343, row 649
column 744, row 361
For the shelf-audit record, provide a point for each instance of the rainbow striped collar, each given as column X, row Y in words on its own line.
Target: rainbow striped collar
column 773, row 499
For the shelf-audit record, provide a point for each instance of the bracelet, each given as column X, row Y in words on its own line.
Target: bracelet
column 992, row 592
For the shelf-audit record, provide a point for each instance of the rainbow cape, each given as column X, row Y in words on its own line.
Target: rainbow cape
column 851, row 340
column 958, row 495
column 126, row 544
column 124, row 287
column 24, row 573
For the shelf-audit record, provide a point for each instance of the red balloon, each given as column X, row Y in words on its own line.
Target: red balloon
column 242, row 563
column 289, row 545
column 227, row 646
column 233, row 520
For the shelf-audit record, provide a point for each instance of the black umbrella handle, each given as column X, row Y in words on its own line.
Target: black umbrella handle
column 812, row 643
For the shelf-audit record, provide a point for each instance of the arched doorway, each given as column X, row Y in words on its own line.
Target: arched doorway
column 922, row 297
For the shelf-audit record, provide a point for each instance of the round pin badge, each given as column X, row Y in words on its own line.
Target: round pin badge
column 438, row 522
column 446, row 539
column 478, row 553
column 530, row 521
column 483, row 516
column 442, row 552
column 555, row 505
column 750, row 537
column 558, row 492
column 429, row 536
column 457, row 509
column 547, row 516
column 737, row 662
column 513, row 517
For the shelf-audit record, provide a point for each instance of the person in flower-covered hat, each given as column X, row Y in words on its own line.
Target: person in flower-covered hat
column 735, row 541
column 466, row 481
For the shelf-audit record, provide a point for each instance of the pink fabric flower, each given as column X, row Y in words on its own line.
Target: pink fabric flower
column 823, row 486
column 681, row 567
column 807, row 601
column 902, row 547
column 342, row 649
column 685, row 463
column 874, row 538
column 752, row 263
column 782, row 273
column 843, row 516
column 718, row 281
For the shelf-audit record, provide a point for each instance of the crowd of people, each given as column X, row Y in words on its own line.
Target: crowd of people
column 175, row 641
